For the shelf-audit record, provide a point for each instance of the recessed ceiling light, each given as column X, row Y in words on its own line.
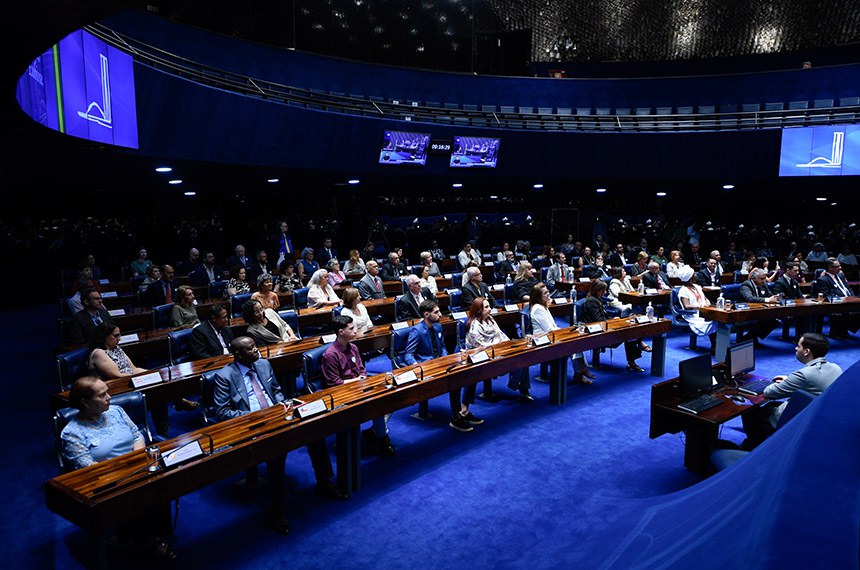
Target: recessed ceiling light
column 821, row 199
column 164, row 169
column 601, row 190
column 538, row 186
column 457, row 185
column 191, row 193
column 177, row 181
column 661, row 194
column 728, row 186
column 832, row 203
column 494, row 197
column 354, row 181
column 273, row 180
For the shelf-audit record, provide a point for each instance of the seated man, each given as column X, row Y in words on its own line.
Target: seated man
column 755, row 290
column 832, row 283
column 617, row 259
column 259, row 267
column 407, row 307
column 188, row 266
column 85, row 321
column 206, row 273
column 393, row 269
column 370, row 286
column 239, row 258
column 212, row 337
column 708, row 277
column 815, row 376
column 558, row 271
column 162, row 291
column 654, row 278
column 425, row 342
column 326, row 252
column 509, row 264
column 467, row 255
column 475, row 287
column 341, row 364
column 247, row 385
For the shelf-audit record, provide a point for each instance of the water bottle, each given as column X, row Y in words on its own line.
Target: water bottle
column 649, row 312
column 641, row 288
column 721, row 302
column 508, row 281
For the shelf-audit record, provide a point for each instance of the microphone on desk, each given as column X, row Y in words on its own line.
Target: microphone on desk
column 492, row 352
column 267, row 352
column 331, row 402
column 169, row 373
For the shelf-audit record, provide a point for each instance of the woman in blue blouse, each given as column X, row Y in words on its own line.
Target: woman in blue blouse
column 307, row 265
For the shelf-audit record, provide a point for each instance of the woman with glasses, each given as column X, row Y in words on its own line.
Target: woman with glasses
column 107, row 359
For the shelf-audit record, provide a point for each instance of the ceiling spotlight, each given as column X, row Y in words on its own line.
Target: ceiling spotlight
column 728, row 186
column 601, row 190
column 661, row 194
column 191, row 193
column 832, row 203
column 457, row 185
column 164, row 169
column 538, row 186
column 494, row 197
column 821, row 199
column 353, row 181
column 177, row 181
column 273, row 180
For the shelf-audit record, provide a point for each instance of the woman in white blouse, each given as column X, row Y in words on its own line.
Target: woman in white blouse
column 428, row 280
column 692, row 297
column 675, row 263
column 354, row 264
column 542, row 323
column 320, row 293
column 484, row 331
column 620, row 284
column 352, row 307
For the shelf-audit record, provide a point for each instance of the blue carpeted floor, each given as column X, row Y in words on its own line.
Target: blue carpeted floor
column 535, row 486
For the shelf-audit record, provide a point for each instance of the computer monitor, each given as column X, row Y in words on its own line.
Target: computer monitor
column 740, row 358
column 696, row 375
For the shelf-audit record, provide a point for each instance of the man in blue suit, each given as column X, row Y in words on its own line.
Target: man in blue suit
column 247, row 385
column 425, row 342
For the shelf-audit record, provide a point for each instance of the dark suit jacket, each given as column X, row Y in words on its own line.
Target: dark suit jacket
column 323, row 257
column 231, row 396
column 199, row 277
column 204, row 343
column 407, row 308
column 753, row 294
column 185, row 267
column 650, row 280
column 390, row 272
column 234, row 260
column 254, row 270
column 593, row 310
column 505, row 267
column 615, row 260
column 81, row 326
column 826, row 284
column 419, row 345
column 522, row 287
column 367, row 288
column 470, row 292
column 703, row 278
column 154, row 294
column 787, row 286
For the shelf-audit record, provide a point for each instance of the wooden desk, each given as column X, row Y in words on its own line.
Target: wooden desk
column 764, row 311
column 702, row 429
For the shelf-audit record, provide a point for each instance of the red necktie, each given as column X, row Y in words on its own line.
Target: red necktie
column 378, row 287
column 168, row 295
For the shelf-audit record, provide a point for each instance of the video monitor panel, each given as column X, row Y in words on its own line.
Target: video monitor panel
column 401, row 147
column 831, row 150
column 84, row 88
column 474, row 152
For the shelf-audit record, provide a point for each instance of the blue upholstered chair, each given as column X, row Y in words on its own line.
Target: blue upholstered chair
column 207, row 397
column 300, row 297
column 179, row 344
column 292, row 318
column 216, row 289
column 161, row 316
column 679, row 314
column 397, row 353
column 312, row 369
column 236, row 303
column 71, row 366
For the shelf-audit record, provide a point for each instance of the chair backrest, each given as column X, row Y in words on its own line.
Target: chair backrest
column 397, row 301
column 403, row 286
column 207, row 397
column 732, row 291
column 161, row 316
column 543, row 273
column 134, row 404
column 236, row 302
column 457, row 279
column 676, row 308
column 611, row 311
column 398, row 346
column 312, row 369
column 455, row 299
column 216, row 289
column 579, row 307
column 461, row 333
column 525, row 321
column 179, row 343
column 292, row 318
column 509, row 293
column 71, row 366
column 628, row 268
column 300, row 297
column 799, row 400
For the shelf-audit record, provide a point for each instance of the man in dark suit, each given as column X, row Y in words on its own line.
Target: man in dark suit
column 326, row 253
column 475, row 287
column 370, row 286
column 654, row 278
column 162, row 291
column 239, row 258
column 788, row 287
column 93, row 314
column 188, row 266
column 213, row 337
column 247, row 385
column 617, row 259
column 259, row 267
column 755, row 290
column 509, row 264
column 708, row 277
column 407, row 307
column 832, row 283
column 206, row 273
column 393, row 269
column 692, row 256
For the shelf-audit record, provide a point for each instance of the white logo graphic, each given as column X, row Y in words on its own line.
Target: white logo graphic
column 95, row 113
column 835, row 160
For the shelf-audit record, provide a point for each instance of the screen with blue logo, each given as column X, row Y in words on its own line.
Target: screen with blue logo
column 832, row 150
column 474, row 152
column 84, row 88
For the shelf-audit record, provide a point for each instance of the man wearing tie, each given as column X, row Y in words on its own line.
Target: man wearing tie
column 326, row 252
column 213, row 337
column 557, row 272
column 755, row 290
column 409, row 303
column 832, row 284
column 788, row 287
column 708, row 277
column 239, row 258
column 370, row 286
column 654, row 278
column 247, row 385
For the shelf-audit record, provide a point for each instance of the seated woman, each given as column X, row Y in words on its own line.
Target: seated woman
column 141, row 264
column 307, row 265
column 427, row 280
column 542, row 323
column 266, row 297
column 620, row 284
column 288, row 280
column 184, row 313
column 100, row 432
column 354, row 265
column 748, row 263
column 692, row 297
column 107, row 359
column 320, row 293
column 763, row 264
column 482, row 330
column 426, row 259
column 524, row 281
column 593, row 311
column 335, row 275
column 237, row 284
column 801, row 264
column 265, row 326
column 660, row 256
column 675, row 263
column 353, row 308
